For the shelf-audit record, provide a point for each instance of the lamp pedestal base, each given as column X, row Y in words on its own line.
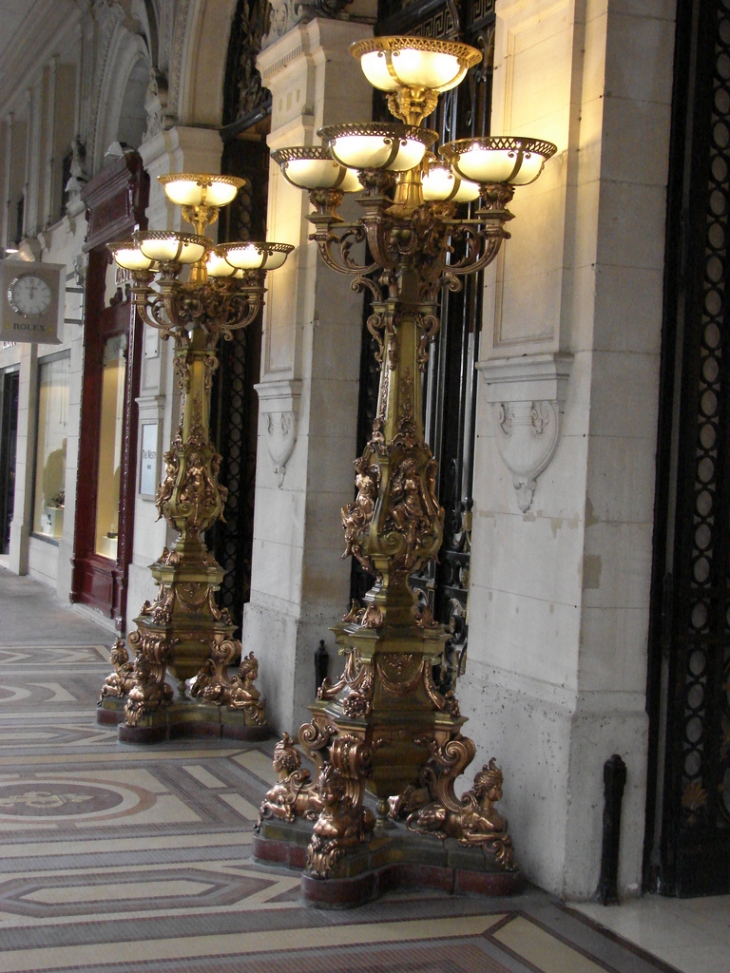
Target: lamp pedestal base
column 181, row 719
column 393, row 858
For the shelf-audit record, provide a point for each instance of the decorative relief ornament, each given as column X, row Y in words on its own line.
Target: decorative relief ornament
column 286, row 14
column 527, row 395
column 281, row 437
column 527, row 437
column 155, row 105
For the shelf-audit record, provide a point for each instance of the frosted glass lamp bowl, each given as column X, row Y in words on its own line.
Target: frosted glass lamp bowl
column 197, row 189
column 128, row 256
column 440, row 185
column 390, row 63
column 312, row 167
column 255, row 256
column 166, row 246
column 378, row 145
column 500, row 159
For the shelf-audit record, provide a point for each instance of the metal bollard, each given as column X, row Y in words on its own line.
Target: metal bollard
column 614, row 780
column 321, row 665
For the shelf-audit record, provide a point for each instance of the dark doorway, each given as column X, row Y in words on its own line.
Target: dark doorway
column 688, row 816
column 8, row 446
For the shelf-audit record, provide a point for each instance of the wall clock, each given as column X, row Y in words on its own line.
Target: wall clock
column 29, row 294
column 30, row 301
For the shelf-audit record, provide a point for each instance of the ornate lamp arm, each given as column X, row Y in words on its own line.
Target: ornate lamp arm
column 240, row 303
column 335, row 249
column 485, row 247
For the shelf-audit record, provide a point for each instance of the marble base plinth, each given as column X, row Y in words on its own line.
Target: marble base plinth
column 181, row 719
column 393, row 858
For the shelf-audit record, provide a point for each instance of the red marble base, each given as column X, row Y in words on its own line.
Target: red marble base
column 397, row 859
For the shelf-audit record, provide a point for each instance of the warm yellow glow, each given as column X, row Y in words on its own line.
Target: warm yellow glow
column 412, row 69
column 255, row 256
column 501, row 159
column 378, row 145
column 194, row 189
column 218, row 266
column 166, row 246
column 314, row 168
column 129, row 256
column 390, row 63
column 244, row 256
column 441, row 185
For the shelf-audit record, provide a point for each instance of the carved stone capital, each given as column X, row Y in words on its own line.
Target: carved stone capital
column 527, row 395
column 279, row 408
column 286, row 14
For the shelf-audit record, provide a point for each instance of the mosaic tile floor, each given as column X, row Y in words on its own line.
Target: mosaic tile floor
column 117, row 858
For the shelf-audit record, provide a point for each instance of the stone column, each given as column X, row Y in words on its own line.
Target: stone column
column 309, row 386
column 49, row 144
column 31, row 209
column 564, row 478
column 7, row 149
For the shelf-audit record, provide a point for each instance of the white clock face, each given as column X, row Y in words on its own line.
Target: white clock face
column 29, row 294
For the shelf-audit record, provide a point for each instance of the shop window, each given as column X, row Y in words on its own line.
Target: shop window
column 50, row 464
column 110, row 444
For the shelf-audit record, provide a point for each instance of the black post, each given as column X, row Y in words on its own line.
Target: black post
column 614, row 780
column 321, row 665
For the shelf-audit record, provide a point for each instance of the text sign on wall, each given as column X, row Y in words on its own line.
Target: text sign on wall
column 148, row 460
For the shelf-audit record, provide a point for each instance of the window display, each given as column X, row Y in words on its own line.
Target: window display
column 111, row 430
column 50, row 466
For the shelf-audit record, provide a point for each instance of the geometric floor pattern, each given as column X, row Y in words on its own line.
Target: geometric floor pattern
column 118, row 858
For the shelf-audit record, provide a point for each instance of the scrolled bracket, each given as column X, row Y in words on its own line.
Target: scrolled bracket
column 279, row 409
column 527, row 438
column 526, row 395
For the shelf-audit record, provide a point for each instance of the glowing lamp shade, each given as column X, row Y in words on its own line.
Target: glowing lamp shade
column 166, row 246
column 390, row 63
column 442, row 186
column 378, row 145
column 313, row 167
column 129, row 256
column 517, row 161
column 255, row 256
column 218, row 266
column 196, row 189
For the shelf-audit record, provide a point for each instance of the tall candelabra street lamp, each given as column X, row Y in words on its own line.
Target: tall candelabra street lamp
column 184, row 630
column 385, row 726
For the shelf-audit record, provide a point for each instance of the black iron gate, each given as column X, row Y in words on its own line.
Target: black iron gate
column 688, row 823
column 234, row 404
column 449, row 381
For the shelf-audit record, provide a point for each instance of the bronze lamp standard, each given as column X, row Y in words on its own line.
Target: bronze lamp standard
column 385, row 726
column 184, row 630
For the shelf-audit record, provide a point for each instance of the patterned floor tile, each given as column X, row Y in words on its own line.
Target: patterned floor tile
column 122, row 859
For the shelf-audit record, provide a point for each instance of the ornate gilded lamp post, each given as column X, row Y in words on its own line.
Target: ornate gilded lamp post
column 184, row 630
column 385, row 726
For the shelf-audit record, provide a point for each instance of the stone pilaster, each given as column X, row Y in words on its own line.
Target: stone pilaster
column 309, row 386
column 559, row 600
